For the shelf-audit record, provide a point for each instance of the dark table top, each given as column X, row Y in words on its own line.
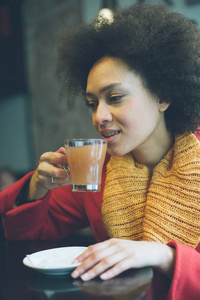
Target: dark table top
column 18, row 282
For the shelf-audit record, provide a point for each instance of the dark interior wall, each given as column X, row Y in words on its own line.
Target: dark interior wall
column 12, row 69
column 51, row 120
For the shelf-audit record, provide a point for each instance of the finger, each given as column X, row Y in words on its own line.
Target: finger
column 117, row 269
column 54, row 158
column 91, row 249
column 61, row 150
column 59, row 181
column 91, row 257
column 46, row 181
column 103, row 265
column 49, row 170
column 129, row 262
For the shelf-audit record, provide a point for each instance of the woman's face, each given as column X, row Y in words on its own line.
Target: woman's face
column 123, row 112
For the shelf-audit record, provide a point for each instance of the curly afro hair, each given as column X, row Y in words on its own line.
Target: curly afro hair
column 161, row 46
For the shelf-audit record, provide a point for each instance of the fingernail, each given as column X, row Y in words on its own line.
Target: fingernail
column 85, row 276
column 103, row 276
column 75, row 274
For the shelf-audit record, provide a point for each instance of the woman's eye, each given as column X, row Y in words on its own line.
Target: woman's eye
column 92, row 105
column 115, row 98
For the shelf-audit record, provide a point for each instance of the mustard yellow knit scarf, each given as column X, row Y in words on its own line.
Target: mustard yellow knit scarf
column 161, row 208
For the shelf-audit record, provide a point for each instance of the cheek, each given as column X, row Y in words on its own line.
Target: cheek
column 127, row 118
column 94, row 123
column 136, row 119
column 143, row 113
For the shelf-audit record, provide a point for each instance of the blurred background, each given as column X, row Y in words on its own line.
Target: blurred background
column 32, row 118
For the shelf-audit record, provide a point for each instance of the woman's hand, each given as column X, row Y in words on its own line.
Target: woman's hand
column 112, row 257
column 50, row 165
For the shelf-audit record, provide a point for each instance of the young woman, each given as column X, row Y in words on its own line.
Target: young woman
column 141, row 75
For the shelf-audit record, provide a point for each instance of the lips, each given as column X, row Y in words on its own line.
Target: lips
column 109, row 133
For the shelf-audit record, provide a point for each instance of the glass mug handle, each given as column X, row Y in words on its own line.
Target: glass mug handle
column 66, row 169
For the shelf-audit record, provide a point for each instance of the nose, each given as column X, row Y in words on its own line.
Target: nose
column 102, row 114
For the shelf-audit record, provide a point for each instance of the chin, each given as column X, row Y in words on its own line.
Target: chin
column 115, row 152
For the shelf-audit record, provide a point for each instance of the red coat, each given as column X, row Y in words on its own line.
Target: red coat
column 61, row 212
column 58, row 214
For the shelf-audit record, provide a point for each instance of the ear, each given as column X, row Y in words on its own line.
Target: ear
column 163, row 106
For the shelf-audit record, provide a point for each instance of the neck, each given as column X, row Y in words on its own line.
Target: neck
column 152, row 151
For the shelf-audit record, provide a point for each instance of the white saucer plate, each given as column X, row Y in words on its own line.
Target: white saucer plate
column 56, row 261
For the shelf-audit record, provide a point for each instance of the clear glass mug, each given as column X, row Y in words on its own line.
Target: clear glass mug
column 85, row 159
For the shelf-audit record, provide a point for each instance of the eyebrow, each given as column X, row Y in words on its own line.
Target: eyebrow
column 105, row 89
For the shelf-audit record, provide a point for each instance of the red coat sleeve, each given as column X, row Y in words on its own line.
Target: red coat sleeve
column 185, row 283
column 59, row 213
column 9, row 195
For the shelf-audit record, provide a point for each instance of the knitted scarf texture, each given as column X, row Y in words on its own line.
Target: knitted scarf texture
column 162, row 208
